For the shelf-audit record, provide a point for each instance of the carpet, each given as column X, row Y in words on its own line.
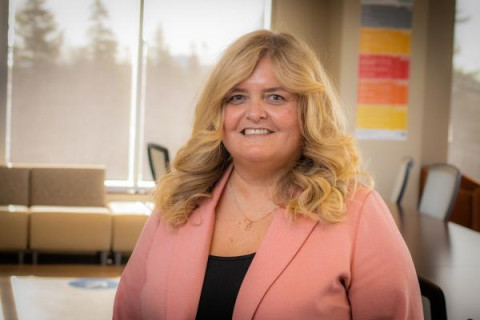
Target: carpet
column 63, row 298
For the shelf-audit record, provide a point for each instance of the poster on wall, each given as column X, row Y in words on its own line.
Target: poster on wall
column 383, row 76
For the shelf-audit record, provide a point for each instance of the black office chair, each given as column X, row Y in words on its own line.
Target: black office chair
column 402, row 180
column 159, row 160
column 434, row 305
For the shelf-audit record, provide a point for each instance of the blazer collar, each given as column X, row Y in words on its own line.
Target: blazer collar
column 190, row 256
column 279, row 246
column 192, row 245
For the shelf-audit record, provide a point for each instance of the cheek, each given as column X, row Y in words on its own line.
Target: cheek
column 290, row 121
column 230, row 119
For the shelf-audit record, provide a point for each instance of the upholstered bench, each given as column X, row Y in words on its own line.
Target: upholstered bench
column 14, row 229
column 68, row 212
column 14, row 201
column 57, row 229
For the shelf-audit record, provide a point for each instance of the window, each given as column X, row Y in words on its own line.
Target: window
column 183, row 40
column 464, row 140
column 85, row 90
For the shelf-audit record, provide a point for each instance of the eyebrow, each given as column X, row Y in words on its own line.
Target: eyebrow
column 273, row 89
column 236, row 89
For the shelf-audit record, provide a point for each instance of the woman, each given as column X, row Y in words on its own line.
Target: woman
column 262, row 215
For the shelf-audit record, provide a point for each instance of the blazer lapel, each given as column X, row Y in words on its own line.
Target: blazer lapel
column 280, row 245
column 189, row 261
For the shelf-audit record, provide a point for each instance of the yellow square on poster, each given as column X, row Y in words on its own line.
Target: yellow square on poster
column 382, row 117
column 384, row 41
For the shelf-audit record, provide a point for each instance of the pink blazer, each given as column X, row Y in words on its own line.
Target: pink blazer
column 357, row 269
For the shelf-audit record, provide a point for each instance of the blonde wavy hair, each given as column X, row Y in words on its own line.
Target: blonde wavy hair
column 317, row 184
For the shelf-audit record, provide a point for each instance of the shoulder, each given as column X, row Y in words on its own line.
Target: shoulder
column 363, row 197
column 365, row 203
column 359, row 194
column 366, row 211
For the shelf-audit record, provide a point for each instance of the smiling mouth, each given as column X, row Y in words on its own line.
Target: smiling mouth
column 251, row 132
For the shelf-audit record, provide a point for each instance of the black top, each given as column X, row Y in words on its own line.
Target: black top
column 222, row 282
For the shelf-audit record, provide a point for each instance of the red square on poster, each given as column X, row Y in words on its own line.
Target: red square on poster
column 376, row 66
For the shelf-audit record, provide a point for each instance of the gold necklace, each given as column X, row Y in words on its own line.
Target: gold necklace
column 250, row 222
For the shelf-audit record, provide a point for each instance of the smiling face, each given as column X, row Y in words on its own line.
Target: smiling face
column 261, row 123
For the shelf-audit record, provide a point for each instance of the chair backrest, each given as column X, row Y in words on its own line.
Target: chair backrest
column 68, row 186
column 440, row 191
column 159, row 160
column 433, row 300
column 14, row 186
column 401, row 181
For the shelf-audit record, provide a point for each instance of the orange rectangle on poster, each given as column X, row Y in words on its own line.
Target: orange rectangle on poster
column 382, row 117
column 388, row 92
column 384, row 41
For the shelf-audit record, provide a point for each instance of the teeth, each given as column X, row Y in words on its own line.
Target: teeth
column 248, row 132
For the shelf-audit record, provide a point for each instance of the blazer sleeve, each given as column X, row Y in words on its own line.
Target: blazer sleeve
column 384, row 284
column 127, row 303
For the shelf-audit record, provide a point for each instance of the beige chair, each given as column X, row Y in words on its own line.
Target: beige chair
column 14, row 200
column 440, row 191
column 68, row 212
column 466, row 209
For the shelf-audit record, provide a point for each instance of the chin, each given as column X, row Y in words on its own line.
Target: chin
column 259, row 159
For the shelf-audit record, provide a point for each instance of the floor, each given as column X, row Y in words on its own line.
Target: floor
column 46, row 270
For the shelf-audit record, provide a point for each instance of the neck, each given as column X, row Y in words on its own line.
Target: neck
column 254, row 177
column 253, row 191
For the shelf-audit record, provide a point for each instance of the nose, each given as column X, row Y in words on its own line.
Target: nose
column 256, row 110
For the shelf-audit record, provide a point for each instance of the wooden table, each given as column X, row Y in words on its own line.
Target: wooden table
column 448, row 255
